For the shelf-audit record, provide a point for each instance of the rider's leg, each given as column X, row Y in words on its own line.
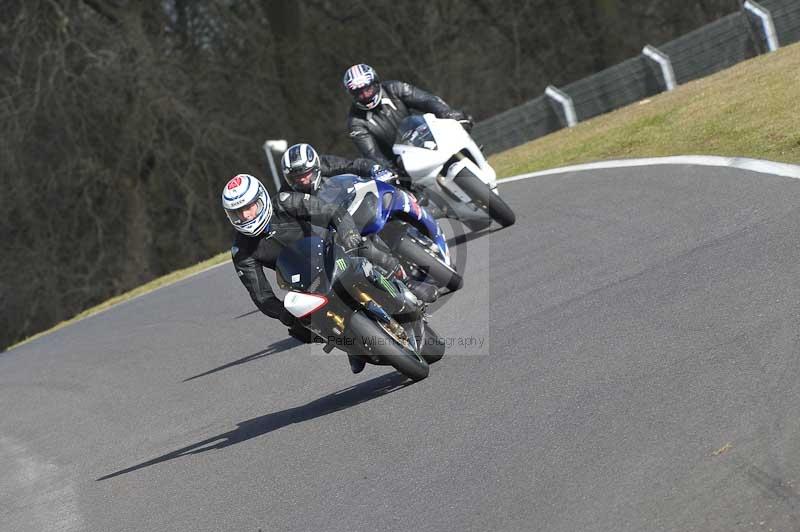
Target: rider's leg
column 383, row 258
column 436, row 211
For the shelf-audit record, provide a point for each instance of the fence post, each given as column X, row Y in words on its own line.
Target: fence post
column 279, row 146
column 663, row 61
column 766, row 23
column 566, row 102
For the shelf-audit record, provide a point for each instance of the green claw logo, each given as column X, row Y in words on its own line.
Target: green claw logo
column 388, row 286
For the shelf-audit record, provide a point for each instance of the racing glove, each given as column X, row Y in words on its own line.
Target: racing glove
column 297, row 330
column 380, row 173
column 304, row 335
column 350, row 239
column 461, row 117
column 287, row 318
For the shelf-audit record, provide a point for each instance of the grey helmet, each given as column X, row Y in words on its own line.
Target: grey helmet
column 301, row 168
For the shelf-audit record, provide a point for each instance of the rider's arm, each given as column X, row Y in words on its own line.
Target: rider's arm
column 251, row 273
column 365, row 142
column 316, row 212
column 419, row 99
column 332, row 165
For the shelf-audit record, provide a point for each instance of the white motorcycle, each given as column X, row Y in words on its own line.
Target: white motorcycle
column 440, row 157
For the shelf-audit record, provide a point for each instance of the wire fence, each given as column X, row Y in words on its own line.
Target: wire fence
column 703, row 52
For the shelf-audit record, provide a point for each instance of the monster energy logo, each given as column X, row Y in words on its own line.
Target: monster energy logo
column 388, row 286
column 341, row 264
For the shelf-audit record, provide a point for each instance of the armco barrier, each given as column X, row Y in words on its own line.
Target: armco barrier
column 615, row 87
column 516, row 126
column 712, row 48
column 786, row 17
column 707, row 50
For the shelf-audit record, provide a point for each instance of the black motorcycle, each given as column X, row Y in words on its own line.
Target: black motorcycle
column 352, row 306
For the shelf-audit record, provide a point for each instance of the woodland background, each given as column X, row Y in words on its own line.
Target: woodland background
column 120, row 121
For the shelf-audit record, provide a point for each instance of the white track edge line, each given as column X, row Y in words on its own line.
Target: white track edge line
column 742, row 163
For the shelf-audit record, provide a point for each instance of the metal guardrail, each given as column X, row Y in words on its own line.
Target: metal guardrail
column 760, row 27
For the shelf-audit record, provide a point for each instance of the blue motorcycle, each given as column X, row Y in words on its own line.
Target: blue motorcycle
column 411, row 233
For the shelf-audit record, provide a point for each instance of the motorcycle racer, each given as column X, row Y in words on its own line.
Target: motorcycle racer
column 302, row 170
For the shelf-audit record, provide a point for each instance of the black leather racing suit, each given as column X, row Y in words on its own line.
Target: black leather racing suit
column 374, row 131
column 331, row 165
column 294, row 217
column 372, row 249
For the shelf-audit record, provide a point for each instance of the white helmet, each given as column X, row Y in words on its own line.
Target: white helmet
column 244, row 192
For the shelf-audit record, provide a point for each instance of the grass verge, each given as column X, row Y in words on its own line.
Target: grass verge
column 749, row 110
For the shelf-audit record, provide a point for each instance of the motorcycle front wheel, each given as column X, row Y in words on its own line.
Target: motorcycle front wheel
column 483, row 197
column 375, row 340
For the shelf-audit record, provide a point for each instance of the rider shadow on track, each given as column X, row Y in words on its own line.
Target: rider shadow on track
column 276, row 347
column 464, row 238
column 240, row 316
column 259, row 426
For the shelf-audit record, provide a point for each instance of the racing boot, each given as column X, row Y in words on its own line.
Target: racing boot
column 425, row 292
column 422, row 197
column 433, row 209
column 357, row 363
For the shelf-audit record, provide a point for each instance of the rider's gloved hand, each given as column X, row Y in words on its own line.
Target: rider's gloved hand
column 296, row 328
column 287, row 318
column 304, row 335
column 350, row 240
column 461, row 117
column 380, row 173
column 454, row 114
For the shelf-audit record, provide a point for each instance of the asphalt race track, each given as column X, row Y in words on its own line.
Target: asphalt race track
column 624, row 358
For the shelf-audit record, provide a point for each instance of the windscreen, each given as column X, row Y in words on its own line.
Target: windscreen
column 338, row 190
column 414, row 131
column 301, row 266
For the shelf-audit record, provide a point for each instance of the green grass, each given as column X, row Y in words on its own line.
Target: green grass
column 750, row 110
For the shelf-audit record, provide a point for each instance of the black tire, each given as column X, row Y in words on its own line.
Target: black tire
column 439, row 273
column 433, row 346
column 369, row 337
column 484, row 198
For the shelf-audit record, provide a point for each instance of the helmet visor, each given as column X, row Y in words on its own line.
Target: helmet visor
column 246, row 213
column 365, row 95
column 304, row 181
